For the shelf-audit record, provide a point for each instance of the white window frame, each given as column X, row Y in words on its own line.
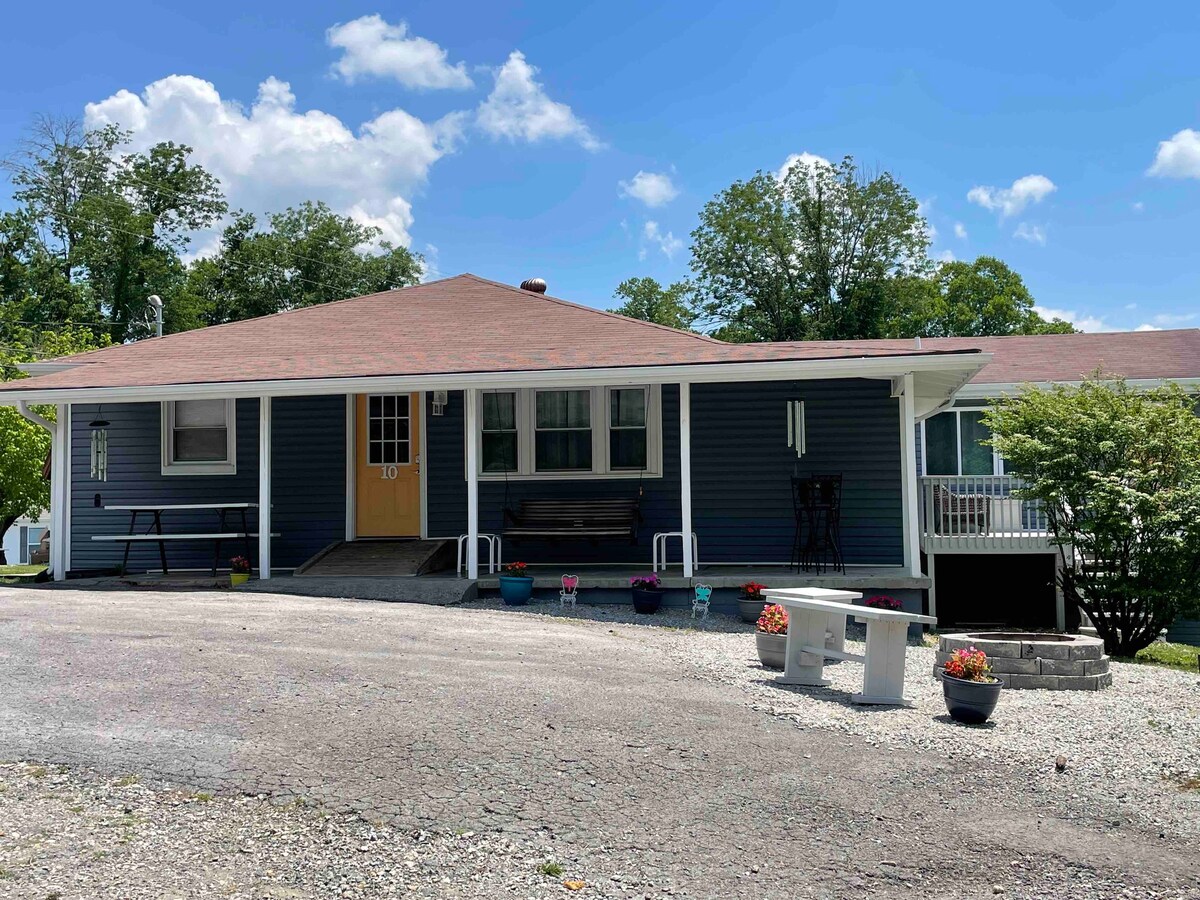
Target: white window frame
column 957, row 411
column 600, row 418
column 171, row 466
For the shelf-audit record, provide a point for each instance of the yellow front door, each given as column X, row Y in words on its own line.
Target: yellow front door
column 389, row 465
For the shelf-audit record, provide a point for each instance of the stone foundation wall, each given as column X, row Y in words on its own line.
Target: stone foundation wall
column 1075, row 665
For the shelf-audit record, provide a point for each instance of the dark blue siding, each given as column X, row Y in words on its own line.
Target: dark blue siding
column 741, row 471
column 308, row 467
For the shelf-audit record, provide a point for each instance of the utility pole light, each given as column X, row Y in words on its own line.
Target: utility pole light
column 156, row 304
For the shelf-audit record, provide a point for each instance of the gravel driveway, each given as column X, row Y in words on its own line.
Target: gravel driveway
column 646, row 761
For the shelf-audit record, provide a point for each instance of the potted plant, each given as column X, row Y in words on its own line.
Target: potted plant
column 880, row 602
column 771, row 636
column 516, row 584
column 751, row 602
column 239, row 571
column 647, row 593
column 970, row 688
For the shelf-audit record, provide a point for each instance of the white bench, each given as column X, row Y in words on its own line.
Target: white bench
column 815, row 612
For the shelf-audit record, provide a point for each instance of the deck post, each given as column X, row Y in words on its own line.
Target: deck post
column 908, row 477
column 472, row 427
column 60, row 460
column 685, row 475
column 264, row 488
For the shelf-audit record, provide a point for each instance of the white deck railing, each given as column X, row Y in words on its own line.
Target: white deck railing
column 977, row 513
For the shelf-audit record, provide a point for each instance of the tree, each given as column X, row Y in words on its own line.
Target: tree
column 307, row 255
column 24, row 445
column 649, row 301
column 967, row 299
column 808, row 256
column 1117, row 472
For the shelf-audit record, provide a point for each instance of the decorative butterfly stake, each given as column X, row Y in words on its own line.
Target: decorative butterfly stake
column 701, row 601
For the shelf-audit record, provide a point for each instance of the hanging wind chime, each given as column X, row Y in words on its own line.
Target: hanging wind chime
column 99, row 426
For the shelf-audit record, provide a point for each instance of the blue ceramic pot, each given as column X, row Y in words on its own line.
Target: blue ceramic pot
column 516, row 589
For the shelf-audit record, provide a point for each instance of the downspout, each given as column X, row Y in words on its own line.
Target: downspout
column 24, row 410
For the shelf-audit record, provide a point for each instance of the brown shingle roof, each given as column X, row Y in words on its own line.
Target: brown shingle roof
column 463, row 324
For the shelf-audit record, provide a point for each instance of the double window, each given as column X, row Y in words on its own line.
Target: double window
column 614, row 431
column 199, row 437
column 954, row 445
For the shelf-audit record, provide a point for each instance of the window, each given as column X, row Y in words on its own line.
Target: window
column 627, row 428
column 563, row 431
column 387, row 430
column 198, row 437
column 613, row 432
column 954, row 445
column 499, row 432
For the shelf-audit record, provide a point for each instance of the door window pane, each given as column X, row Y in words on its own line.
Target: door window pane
column 941, row 444
column 976, row 456
column 387, row 430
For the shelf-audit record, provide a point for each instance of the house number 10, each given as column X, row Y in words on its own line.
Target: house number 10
column 389, row 473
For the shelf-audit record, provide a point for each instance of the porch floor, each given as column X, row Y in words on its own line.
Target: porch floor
column 614, row 577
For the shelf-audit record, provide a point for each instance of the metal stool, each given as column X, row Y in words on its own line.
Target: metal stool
column 662, row 536
column 493, row 544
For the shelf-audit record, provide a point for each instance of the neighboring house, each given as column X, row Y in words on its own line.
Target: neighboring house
column 22, row 540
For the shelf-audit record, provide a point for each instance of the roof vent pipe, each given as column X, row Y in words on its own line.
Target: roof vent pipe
column 536, row 285
column 917, row 342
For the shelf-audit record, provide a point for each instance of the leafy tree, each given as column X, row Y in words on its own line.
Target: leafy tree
column 808, row 256
column 24, row 445
column 967, row 299
column 1118, row 474
column 307, row 255
column 649, row 301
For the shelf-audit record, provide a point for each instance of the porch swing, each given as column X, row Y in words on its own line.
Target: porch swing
column 591, row 519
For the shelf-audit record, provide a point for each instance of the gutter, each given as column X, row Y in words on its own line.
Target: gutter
column 24, row 410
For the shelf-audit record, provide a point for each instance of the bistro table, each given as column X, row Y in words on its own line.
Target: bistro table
column 815, row 612
column 154, row 531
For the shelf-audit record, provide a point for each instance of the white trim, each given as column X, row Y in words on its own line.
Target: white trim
column 702, row 373
column 685, row 474
column 956, row 411
column 171, row 466
column 908, row 434
column 59, row 461
column 997, row 389
column 929, row 558
column 351, row 466
column 471, row 420
column 264, row 488
column 423, row 466
column 68, row 425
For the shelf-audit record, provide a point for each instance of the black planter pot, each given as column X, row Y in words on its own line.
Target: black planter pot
column 646, row 601
column 970, row 702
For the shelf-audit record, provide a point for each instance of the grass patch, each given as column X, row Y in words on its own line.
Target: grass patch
column 126, row 781
column 550, row 868
column 203, row 796
column 20, row 570
column 1171, row 656
column 1191, row 784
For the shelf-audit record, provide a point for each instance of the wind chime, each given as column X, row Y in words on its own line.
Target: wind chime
column 99, row 426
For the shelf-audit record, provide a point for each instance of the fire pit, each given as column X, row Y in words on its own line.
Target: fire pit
column 1055, row 662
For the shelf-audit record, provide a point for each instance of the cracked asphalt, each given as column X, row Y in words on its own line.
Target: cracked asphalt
column 587, row 735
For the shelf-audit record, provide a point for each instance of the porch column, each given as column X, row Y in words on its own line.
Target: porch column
column 264, row 488
column 685, row 474
column 908, row 478
column 471, row 399
column 60, row 461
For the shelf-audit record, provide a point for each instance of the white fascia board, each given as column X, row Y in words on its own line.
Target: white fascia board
column 999, row 389
column 964, row 364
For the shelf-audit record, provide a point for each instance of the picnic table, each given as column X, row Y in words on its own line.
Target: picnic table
column 813, row 613
column 154, row 531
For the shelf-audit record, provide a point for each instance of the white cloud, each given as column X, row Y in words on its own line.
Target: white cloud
column 1146, row 326
column 1169, row 319
column 652, row 188
column 1137, row 206
column 960, row 230
column 1035, row 234
column 667, row 242
column 1011, row 200
column 1178, row 157
column 946, row 256
column 431, row 271
column 809, row 160
column 1083, row 322
column 518, row 109
column 1130, row 306
column 272, row 155
column 373, row 48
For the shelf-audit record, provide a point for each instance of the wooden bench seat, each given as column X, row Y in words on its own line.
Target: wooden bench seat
column 574, row 519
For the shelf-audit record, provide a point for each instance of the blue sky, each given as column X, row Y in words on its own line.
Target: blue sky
column 420, row 118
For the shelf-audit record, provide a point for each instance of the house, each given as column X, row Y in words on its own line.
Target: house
column 23, row 540
column 970, row 523
column 429, row 411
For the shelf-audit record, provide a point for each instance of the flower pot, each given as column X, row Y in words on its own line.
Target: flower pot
column 646, row 601
column 750, row 610
column 516, row 589
column 970, row 702
column 236, row 578
column 771, row 648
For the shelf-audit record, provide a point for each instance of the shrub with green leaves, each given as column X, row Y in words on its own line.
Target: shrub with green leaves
column 1117, row 471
